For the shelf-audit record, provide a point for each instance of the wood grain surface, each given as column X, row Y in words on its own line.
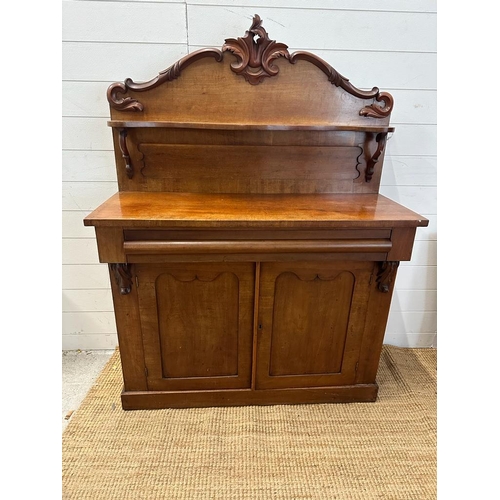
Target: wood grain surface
column 142, row 209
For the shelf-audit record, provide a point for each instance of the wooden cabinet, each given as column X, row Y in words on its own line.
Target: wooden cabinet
column 252, row 258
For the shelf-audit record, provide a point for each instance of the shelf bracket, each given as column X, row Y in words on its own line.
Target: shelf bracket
column 386, row 275
column 123, row 277
column 125, row 154
column 370, row 167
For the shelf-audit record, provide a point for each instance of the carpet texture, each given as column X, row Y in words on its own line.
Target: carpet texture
column 385, row 449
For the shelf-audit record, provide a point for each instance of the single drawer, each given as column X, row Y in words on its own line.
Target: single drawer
column 256, row 245
column 251, row 234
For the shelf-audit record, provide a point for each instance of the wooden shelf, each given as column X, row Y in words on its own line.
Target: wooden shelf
column 248, row 126
column 203, row 210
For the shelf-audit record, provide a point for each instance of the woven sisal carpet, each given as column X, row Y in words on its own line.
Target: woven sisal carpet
column 367, row 451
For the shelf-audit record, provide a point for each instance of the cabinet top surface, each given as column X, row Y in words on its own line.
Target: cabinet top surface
column 204, row 210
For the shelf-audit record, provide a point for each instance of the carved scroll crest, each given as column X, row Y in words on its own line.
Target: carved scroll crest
column 335, row 78
column 167, row 75
column 255, row 53
column 255, row 58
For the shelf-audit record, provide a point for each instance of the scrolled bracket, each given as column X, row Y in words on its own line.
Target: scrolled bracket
column 125, row 154
column 386, row 275
column 123, row 277
column 370, row 166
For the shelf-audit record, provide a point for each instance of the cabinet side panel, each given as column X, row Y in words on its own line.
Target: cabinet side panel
column 128, row 326
column 378, row 306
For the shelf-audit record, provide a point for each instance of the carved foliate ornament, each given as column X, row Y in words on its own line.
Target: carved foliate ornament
column 255, row 57
column 123, row 277
column 386, row 275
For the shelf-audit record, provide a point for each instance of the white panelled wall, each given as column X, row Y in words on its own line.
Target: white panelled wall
column 390, row 44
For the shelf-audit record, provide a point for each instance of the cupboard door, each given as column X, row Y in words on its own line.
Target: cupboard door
column 311, row 321
column 197, row 324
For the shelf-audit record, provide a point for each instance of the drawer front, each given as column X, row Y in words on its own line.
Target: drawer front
column 260, row 246
column 250, row 234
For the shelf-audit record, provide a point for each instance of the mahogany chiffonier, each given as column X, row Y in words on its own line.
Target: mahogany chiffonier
column 252, row 258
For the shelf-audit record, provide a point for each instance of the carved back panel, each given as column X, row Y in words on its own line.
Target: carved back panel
column 250, row 118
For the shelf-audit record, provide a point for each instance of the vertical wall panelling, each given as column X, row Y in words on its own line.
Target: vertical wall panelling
column 390, row 44
column 103, row 42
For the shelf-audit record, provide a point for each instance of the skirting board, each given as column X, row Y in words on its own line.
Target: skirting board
column 186, row 399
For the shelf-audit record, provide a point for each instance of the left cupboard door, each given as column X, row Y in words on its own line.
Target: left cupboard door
column 197, row 324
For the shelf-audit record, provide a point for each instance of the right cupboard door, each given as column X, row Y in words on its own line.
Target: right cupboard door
column 310, row 322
